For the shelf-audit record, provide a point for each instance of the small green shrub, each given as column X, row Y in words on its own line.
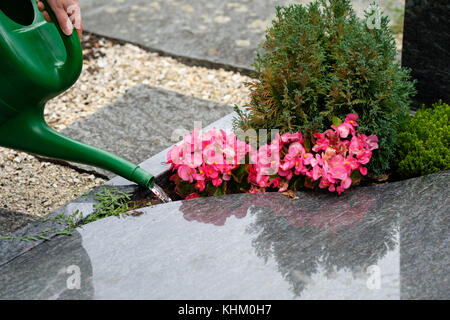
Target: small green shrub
column 321, row 61
column 424, row 144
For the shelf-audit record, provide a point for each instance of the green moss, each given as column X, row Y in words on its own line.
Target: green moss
column 424, row 144
column 320, row 61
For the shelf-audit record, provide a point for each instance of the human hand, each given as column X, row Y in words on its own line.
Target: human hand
column 67, row 12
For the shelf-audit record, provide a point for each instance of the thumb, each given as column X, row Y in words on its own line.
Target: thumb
column 64, row 21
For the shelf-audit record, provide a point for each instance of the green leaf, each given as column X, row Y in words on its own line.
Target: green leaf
column 336, row 121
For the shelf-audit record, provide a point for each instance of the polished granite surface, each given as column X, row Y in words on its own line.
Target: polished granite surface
column 383, row 242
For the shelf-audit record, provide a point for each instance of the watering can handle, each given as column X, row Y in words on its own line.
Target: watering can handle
column 74, row 62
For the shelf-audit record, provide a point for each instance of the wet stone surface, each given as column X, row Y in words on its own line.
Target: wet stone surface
column 383, row 242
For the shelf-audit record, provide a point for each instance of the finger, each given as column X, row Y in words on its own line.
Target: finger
column 41, row 6
column 80, row 31
column 46, row 16
column 75, row 17
column 64, row 21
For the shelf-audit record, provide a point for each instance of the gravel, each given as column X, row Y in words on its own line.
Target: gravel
column 36, row 187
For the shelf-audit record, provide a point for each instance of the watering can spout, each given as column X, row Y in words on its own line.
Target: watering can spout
column 30, row 133
column 38, row 62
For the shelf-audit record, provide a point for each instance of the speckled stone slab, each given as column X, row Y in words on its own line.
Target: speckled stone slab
column 382, row 242
column 426, row 49
column 224, row 32
column 143, row 122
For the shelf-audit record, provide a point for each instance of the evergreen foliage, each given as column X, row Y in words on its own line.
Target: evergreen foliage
column 424, row 143
column 321, row 61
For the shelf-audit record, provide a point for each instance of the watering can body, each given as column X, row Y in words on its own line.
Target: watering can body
column 37, row 63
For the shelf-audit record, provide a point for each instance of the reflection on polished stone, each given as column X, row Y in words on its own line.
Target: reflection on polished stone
column 267, row 246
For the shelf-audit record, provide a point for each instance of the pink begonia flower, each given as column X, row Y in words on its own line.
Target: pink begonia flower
column 175, row 156
column 200, row 185
column 210, row 172
column 193, row 196
column 344, row 129
column 227, row 175
column 201, row 174
column 372, row 141
column 284, row 185
column 316, row 173
column 329, row 153
column 364, row 157
column 217, row 182
column 338, row 168
column 299, row 168
column 212, row 155
column 363, row 170
column 186, row 173
column 324, row 184
column 307, row 157
column 291, row 137
column 322, row 142
column 295, row 149
column 275, row 183
column 288, row 174
column 351, row 119
column 346, row 183
column 289, row 163
column 317, row 160
column 262, row 180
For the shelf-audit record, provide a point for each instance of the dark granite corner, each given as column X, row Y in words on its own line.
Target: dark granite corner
column 426, row 49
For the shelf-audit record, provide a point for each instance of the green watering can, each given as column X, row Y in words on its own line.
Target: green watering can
column 37, row 63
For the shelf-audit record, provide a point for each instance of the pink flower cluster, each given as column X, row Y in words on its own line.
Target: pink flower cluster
column 210, row 157
column 215, row 162
column 336, row 154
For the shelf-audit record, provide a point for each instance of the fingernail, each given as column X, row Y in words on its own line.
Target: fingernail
column 68, row 29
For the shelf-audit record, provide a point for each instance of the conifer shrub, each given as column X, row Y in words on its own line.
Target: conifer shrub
column 424, row 143
column 320, row 62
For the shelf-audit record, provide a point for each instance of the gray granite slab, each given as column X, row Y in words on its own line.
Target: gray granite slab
column 223, row 32
column 255, row 246
column 143, row 122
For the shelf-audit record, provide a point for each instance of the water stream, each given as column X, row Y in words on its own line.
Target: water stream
column 159, row 192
